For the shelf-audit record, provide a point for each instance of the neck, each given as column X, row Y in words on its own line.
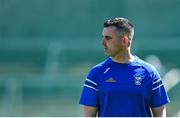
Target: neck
column 124, row 57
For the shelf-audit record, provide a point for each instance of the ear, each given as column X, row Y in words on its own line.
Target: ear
column 126, row 40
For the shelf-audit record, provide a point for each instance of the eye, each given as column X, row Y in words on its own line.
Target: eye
column 108, row 37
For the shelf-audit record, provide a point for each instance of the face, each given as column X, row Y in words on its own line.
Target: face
column 111, row 42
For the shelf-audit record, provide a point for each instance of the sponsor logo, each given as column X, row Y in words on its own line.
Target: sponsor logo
column 107, row 69
column 110, row 80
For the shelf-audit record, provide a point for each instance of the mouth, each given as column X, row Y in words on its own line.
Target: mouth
column 105, row 48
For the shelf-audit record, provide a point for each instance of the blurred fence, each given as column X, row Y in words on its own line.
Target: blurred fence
column 49, row 81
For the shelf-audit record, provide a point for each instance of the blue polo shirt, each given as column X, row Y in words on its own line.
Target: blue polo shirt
column 124, row 90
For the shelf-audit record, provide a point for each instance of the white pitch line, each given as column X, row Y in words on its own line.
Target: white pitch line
column 171, row 79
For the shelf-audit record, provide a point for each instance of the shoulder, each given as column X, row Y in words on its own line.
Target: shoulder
column 149, row 68
column 100, row 67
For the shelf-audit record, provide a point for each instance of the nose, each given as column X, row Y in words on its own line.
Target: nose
column 103, row 42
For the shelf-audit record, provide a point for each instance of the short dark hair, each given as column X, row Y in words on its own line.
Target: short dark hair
column 123, row 25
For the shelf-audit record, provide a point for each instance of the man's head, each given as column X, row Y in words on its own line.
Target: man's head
column 123, row 26
column 117, row 36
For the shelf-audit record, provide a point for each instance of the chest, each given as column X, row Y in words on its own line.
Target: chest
column 130, row 82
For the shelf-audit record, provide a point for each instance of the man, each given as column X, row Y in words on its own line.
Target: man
column 123, row 85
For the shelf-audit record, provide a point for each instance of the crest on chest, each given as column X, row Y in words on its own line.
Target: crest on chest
column 137, row 80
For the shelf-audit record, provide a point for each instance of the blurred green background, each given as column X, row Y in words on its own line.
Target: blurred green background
column 47, row 48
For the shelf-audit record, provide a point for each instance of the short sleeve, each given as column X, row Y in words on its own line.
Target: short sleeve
column 159, row 94
column 89, row 96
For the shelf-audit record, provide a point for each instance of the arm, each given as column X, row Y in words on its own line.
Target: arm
column 159, row 111
column 90, row 111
